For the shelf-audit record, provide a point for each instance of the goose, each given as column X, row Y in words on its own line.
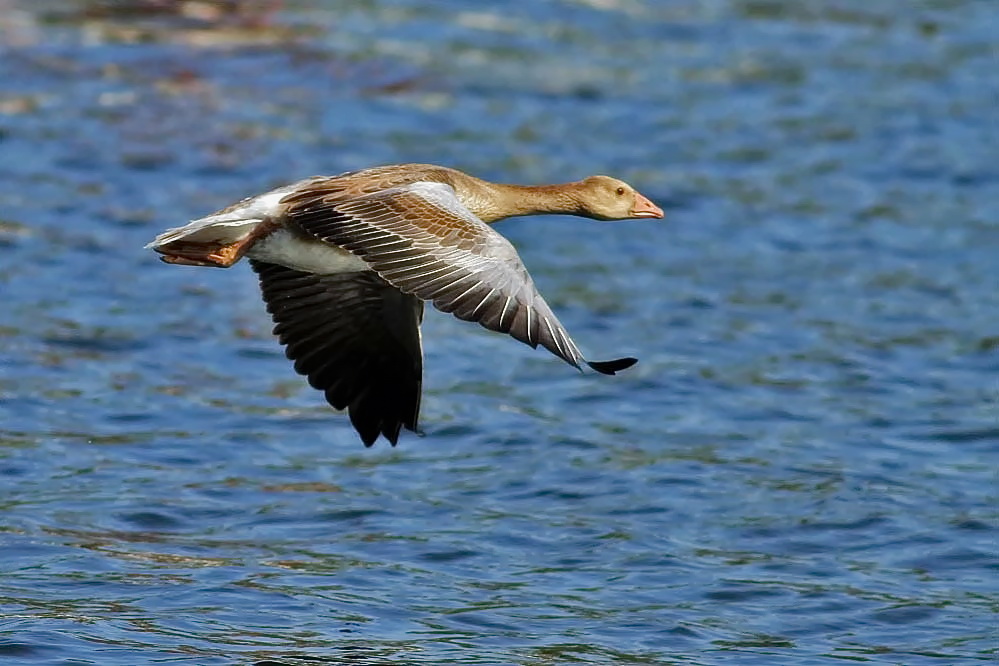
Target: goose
column 346, row 262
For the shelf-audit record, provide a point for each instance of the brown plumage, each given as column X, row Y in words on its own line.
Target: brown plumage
column 345, row 263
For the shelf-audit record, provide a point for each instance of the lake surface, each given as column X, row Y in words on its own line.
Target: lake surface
column 802, row 468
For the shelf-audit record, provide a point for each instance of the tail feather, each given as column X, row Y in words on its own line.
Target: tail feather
column 229, row 225
column 206, row 231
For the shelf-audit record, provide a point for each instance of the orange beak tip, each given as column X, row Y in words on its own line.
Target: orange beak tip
column 644, row 208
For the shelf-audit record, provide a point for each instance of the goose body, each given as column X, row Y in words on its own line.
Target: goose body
column 345, row 263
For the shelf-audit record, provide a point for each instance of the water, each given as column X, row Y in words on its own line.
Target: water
column 800, row 470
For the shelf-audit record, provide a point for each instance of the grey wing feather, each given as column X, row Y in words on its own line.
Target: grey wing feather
column 356, row 338
column 420, row 239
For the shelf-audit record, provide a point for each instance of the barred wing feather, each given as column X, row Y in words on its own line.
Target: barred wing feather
column 423, row 241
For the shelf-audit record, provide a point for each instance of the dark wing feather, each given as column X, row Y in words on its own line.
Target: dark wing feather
column 421, row 239
column 356, row 338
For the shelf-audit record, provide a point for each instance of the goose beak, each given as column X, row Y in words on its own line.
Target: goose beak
column 645, row 208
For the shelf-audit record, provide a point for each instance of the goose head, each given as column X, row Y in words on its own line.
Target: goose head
column 606, row 198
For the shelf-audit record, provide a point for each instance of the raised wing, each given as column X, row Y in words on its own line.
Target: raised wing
column 356, row 338
column 423, row 241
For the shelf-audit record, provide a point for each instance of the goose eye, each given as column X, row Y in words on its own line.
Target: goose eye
column 620, row 191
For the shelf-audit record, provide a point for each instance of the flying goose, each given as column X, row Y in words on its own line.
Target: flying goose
column 345, row 263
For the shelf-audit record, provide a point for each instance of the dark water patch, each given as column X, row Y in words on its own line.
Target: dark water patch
column 349, row 515
column 948, row 560
column 904, row 615
column 130, row 418
column 985, row 435
column 974, row 525
column 15, row 650
column 152, row 520
column 103, row 342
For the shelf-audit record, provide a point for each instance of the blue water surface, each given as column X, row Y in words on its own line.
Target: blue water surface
column 801, row 470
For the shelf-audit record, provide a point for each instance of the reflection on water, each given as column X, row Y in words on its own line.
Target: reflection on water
column 800, row 468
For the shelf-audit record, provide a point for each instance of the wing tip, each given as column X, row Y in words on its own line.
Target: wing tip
column 612, row 367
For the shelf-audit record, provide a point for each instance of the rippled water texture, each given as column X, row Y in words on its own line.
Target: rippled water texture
column 800, row 470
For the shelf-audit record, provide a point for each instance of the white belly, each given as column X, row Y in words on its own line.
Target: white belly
column 286, row 249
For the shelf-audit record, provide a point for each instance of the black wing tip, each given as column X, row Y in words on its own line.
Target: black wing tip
column 612, row 367
column 370, row 432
